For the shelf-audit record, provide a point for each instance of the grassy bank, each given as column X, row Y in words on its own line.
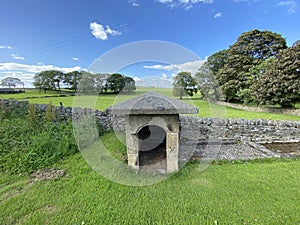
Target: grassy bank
column 245, row 193
column 28, row 142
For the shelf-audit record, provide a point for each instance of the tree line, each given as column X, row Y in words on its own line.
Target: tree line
column 259, row 67
column 83, row 81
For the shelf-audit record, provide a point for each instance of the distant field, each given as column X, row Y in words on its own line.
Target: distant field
column 34, row 93
column 105, row 101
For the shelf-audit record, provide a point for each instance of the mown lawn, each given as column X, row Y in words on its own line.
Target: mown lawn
column 231, row 193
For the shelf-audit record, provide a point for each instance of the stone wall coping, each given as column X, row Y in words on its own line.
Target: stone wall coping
column 151, row 103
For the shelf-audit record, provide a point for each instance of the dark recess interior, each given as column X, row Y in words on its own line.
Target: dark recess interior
column 152, row 145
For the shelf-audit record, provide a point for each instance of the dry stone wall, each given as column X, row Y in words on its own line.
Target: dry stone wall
column 190, row 127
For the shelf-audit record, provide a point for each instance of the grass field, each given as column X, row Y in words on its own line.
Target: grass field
column 254, row 192
column 261, row 192
column 105, row 101
column 34, row 93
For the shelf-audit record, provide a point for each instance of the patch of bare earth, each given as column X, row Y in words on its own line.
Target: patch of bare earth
column 43, row 174
column 47, row 174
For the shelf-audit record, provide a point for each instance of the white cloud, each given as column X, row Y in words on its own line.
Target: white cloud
column 165, row 80
column 5, row 47
column 244, row 0
column 112, row 32
column 134, row 3
column 15, row 56
column 98, row 31
column 165, row 1
column 291, row 4
column 159, row 81
column 187, row 4
column 164, row 75
column 34, row 68
column 191, row 67
column 26, row 72
column 217, row 15
column 173, row 75
column 101, row 32
column 248, row 1
column 137, row 79
column 26, row 78
column 75, row 58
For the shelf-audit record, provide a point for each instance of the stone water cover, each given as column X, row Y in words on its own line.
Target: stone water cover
column 151, row 103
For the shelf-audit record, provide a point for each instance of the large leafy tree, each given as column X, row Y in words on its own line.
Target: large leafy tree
column 129, row 84
column 116, row 83
column 48, row 80
column 184, row 84
column 250, row 94
column 217, row 61
column 86, row 84
column 281, row 82
column 207, row 82
column 72, row 79
column 296, row 43
column 248, row 51
column 101, row 82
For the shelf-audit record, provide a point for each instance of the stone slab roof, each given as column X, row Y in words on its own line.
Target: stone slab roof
column 151, row 103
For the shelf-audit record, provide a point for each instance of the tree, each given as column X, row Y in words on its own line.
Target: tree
column 87, row 83
column 129, row 84
column 250, row 94
column 207, row 82
column 248, row 51
column 72, row 79
column 296, row 43
column 217, row 61
column 101, row 82
column 58, row 76
column 11, row 82
column 281, row 82
column 48, row 80
column 184, row 84
column 43, row 81
column 116, row 83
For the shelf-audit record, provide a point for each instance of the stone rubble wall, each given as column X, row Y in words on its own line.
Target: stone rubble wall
column 239, row 129
column 190, row 127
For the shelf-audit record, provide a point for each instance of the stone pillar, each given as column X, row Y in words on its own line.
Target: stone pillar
column 132, row 150
column 172, row 149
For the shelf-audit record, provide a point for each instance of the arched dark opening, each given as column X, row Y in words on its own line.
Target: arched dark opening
column 152, row 147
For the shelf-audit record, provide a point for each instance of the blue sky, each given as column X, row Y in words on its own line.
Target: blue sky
column 70, row 35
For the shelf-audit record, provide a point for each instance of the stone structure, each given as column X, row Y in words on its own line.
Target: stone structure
column 200, row 130
column 152, row 120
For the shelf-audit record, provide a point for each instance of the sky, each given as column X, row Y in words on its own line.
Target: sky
column 149, row 40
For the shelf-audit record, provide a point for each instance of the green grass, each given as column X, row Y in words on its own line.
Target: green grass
column 27, row 145
column 243, row 193
column 256, row 192
column 105, row 101
column 253, row 104
column 34, row 93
